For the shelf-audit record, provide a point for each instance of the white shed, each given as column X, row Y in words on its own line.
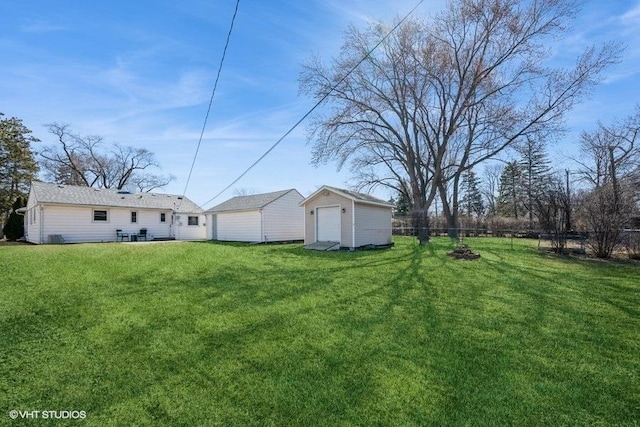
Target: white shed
column 268, row 217
column 336, row 218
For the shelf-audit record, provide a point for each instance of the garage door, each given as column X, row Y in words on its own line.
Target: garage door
column 328, row 223
column 239, row 226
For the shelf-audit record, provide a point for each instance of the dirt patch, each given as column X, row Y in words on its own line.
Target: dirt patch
column 463, row 252
column 618, row 256
column 4, row 242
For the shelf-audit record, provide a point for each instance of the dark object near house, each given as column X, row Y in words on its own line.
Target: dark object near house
column 14, row 228
column 143, row 234
column 463, row 252
column 120, row 236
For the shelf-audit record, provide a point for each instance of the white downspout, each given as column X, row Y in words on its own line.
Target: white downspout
column 304, row 225
column 263, row 238
column 353, row 224
column 41, row 225
column 23, row 212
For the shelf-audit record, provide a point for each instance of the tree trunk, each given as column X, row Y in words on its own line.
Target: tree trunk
column 420, row 223
column 450, row 210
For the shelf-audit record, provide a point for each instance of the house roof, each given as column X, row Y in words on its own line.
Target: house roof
column 352, row 195
column 89, row 196
column 249, row 203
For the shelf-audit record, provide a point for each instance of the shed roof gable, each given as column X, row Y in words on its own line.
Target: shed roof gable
column 248, row 203
column 352, row 195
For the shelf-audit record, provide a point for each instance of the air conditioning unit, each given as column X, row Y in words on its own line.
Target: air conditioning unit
column 56, row 239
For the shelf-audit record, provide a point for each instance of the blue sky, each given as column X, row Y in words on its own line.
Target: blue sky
column 140, row 73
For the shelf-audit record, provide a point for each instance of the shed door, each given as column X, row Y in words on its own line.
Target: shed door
column 328, row 223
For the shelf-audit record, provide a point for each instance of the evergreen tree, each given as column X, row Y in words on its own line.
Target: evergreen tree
column 17, row 163
column 14, row 228
column 510, row 191
column 472, row 203
column 402, row 204
column 536, row 175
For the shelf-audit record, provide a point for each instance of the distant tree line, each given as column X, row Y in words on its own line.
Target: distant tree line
column 599, row 195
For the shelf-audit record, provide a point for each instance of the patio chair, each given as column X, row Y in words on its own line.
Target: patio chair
column 143, row 234
column 121, row 237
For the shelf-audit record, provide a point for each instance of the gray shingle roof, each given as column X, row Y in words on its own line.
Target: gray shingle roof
column 359, row 196
column 248, row 203
column 88, row 196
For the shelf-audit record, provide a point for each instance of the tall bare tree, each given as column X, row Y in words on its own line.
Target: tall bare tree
column 84, row 160
column 438, row 98
column 611, row 151
column 611, row 164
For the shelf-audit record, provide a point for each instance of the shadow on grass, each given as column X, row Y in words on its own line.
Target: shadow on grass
column 278, row 335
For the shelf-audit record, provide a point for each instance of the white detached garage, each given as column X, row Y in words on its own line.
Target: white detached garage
column 268, row 217
column 336, row 218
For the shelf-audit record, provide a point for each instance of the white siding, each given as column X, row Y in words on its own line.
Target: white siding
column 283, row 219
column 75, row 224
column 372, row 225
column 150, row 219
column 239, row 226
column 184, row 231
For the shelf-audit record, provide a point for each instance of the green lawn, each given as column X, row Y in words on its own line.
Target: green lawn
column 227, row 334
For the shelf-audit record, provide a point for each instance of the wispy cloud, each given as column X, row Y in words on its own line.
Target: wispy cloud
column 362, row 11
column 42, row 27
column 632, row 17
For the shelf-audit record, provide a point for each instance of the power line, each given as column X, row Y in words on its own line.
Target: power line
column 213, row 92
column 317, row 104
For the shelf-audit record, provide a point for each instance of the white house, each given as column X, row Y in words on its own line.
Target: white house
column 268, row 217
column 73, row 214
column 336, row 218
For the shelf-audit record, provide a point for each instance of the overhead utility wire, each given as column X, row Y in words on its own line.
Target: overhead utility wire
column 317, row 104
column 213, row 92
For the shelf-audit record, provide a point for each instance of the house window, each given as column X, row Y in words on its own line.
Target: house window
column 134, row 216
column 163, row 217
column 193, row 220
column 99, row 215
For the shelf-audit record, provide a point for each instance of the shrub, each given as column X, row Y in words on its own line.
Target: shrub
column 14, row 228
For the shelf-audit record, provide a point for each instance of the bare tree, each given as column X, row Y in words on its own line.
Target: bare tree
column 82, row 160
column 611, row 151
column 244, row 191
column 438, row 98
column 375, row 121
column 490, row 187
column 606, row 212
column 552, row 208
column 611, row 164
